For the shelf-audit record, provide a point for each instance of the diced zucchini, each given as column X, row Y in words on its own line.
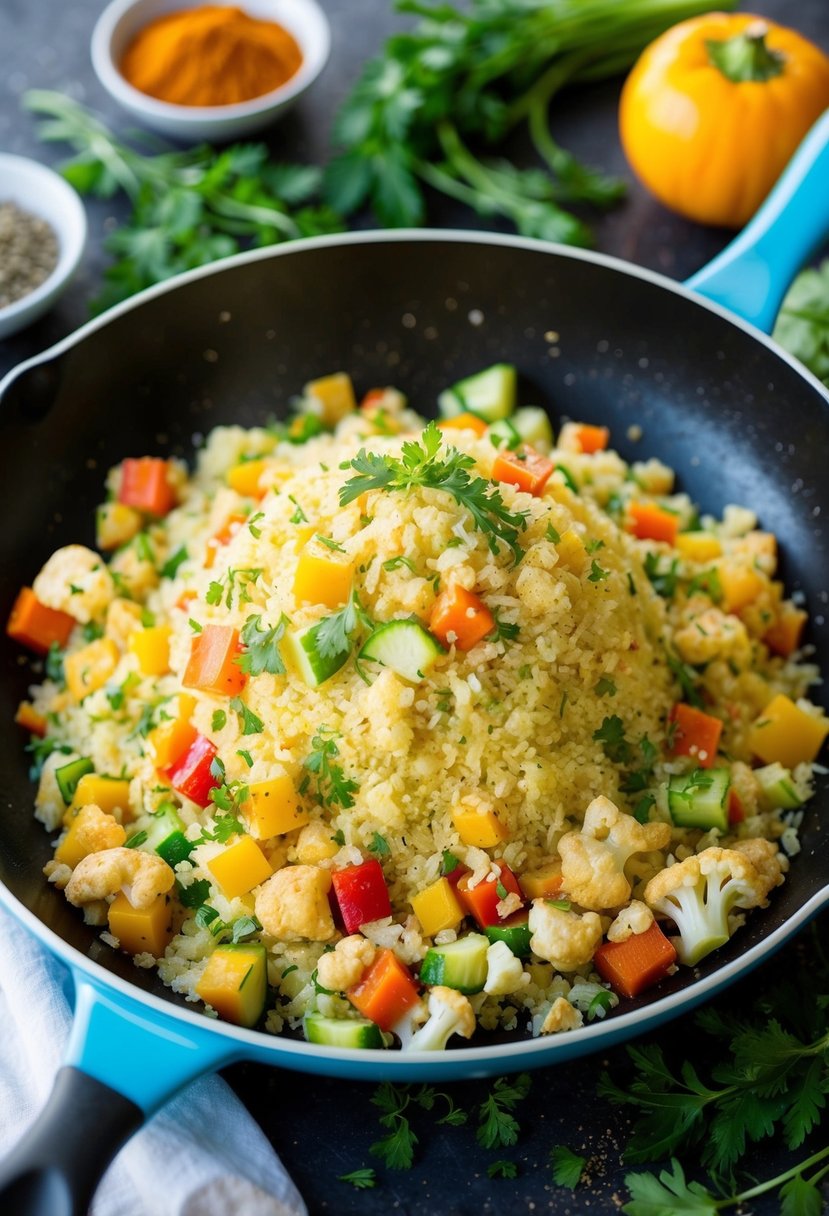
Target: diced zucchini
column 777, row 787
column 68, row 776
column 515, row 932
column 300, row 648
column 533, row 425
column 700, row 799
column 460, row 964
column 342, row 1032
column 165, row 836
column 490, row 394
column 405, row 647
column 504, row 435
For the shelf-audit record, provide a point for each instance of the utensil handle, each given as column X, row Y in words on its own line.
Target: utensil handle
column 751, row 275
column 55, row 1169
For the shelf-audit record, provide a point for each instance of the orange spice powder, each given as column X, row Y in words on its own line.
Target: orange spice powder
column 210, row 56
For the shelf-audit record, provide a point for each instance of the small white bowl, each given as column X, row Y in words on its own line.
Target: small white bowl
column 121, row 21
column 42, row 192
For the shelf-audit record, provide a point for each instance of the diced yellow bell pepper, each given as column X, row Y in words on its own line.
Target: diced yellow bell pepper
column 142, row 929
column 88, row 833
column 109, row 793
column 273, row 808
column 323, row 576
column 741, row 584
column 167, row 742
column 89, row 668
column 571, row 551
column 303, row 534
column 235, row 982
column 785, row 733
column 698, row 546
column 152, row 649
column 240, row 867
column 244, row 477
column 483, row 831
column 437, row 907
column 116, row 524
column 784, row 634
column 334, row 396
column 542, row 883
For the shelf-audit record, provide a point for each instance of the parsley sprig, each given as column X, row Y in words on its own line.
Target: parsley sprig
column 334, row 633
column 332, row 787
column 261, row 644
column 424, row 464
column 498, row 1126
column 396, row 1148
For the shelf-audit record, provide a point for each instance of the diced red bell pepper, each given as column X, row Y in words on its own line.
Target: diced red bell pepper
column 525, row 469
column 481, row 901
column 145, row 485
column 191, row 775
column 736, row 811
column 697, row 734
column 638, row 962
column 362, row 894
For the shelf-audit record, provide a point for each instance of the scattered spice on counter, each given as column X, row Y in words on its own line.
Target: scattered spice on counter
column 210, row 56
column 28, row 253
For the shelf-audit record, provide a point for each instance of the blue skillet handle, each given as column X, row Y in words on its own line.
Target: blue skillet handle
column 752, row 274
column 123, row 1061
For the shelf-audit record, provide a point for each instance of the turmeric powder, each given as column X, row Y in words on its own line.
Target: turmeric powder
column 210, row 56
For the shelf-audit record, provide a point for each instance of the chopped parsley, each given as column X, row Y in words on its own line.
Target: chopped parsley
column 251, row 724
column 395, row 562
column 299, row 516
column 597, row 574
column 333, row 633
column 332, row 787
column 611, row 735
column 170, row 567
column 663, row 580
column 605, row 687
column 330, row 543
column 261, row 644
column 252, row 522
column 552, row 535
column 218, row 720
column 379, row 846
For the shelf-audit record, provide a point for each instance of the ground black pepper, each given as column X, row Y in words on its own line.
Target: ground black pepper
column 28, row 253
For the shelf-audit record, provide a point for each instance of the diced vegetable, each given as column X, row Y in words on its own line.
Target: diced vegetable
column 273, row 808
column 168, row 742
column 88, row 669
column 109, row 793
column 69, row 774
column 483, row 829
column 460, row 964
column 36, row 626
column 342, row 1032
column 212, row 666
column 777, row 788
column 437, row 907
column 192, row 775
column 323, row 576
column 361, row 894
column 244, row 478
column 240, row 867
column 785, row 634
column 464, row 422
column 405, row 647
column 571, row 551
column 301, row 651
column 637, row 963
column 333, row 396
column 591, row 438
column 481, row 901
column 740, row 584
column 223, row 537
column 490, row 394
column 152, row 649
column 515, row 931
column 651, row 522
column 696, row 734
column 235, row 982
column 165, row 836
column 786, row 733
column 78, row 842
column 30, row 719
column 142, row 930
column 736, row 811
column 116, row 524
column 146, row 485
column 460, row 617
column 543, row 883
column 533, row 425
column 698, row 546
column 385, row 992
column 700, row 799
column 504, row 435
column 525, row 469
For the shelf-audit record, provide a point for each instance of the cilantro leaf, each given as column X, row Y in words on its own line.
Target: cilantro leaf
column 262, row 646
column 361, row 1180
column 611, row 735
column 567, row 1166
column 333, row 788
column 251, row 724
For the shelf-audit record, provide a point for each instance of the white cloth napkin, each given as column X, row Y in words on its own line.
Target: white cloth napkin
column 202, row 1155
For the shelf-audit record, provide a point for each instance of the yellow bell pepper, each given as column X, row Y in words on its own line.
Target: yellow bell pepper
column 109, row 793
column 142, row 929
column 483, row 831
column 785, row 733
column 166, row 743
column 323, row 576
column 240, row 867
column 698, row 546
column 116, row 524
column 152, row 649
column 437, row 907
column 334, row 397
column 741, row 584
column 89, row 669
column 235, row 981
column 244, row 478
column 543, row 883
column 273, row 808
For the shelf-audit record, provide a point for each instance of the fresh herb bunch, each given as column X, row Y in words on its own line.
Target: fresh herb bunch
column 468, row 77
column 803, row 321
column 189, row 207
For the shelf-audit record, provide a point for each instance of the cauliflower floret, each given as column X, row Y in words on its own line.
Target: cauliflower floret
column 343, row 966
column 504, row 972
column 449, row 1013
column 593, row 860
column 766, row 858
column 564, row 938
column 561, row 1016
column 698, row 894
column 635, row 918
column 49, row 804
column 94, row 830
column 292, row 904
column 141, row 876
column 315, row 843
column 713, row 634
column 75, row 580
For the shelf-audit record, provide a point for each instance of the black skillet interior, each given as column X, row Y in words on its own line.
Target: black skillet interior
column 591, row 342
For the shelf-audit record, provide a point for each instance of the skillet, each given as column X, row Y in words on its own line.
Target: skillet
column 594, row 339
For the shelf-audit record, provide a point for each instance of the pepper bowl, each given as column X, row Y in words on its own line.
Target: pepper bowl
column 121, row 20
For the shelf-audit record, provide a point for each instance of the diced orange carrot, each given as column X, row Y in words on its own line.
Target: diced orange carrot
column 481, row 901
column 35, row 625
column 633, row 965
column 463, row 614
column 185, row 600
column 169, row 742
column 697, row 734
column 525, row 469
column 29, row 718
column 464, row 422
column 212, row 665
column 651, row 522
column 385, row 992
column 591, row 438
column 224, row 536
column 784, row 635
column 145, row 485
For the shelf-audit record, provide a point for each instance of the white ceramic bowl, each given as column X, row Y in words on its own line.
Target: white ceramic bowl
column 122, row 19
column 42, row 192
